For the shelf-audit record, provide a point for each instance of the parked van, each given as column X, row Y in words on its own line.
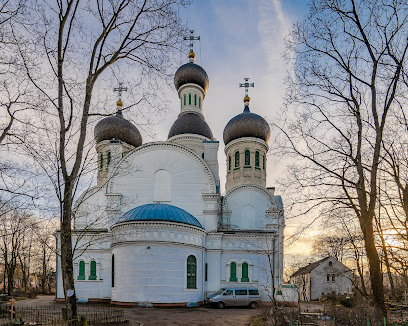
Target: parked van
column 235, row 297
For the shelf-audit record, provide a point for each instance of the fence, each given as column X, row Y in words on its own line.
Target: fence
column 53, row 315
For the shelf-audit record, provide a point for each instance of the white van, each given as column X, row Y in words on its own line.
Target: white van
column 235, row 297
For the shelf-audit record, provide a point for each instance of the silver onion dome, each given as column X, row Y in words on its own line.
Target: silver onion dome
column 190, row 123
column 191, row 73
column 116, row 127
column 247, row 124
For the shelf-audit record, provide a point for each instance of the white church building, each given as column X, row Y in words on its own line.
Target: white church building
column 156, row 229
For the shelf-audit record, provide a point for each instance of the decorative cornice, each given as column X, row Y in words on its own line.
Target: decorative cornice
column 157, row 224
column 208, row 197
column 194, row 137
column 246, row 140
column 210, row 212
column 155, row 145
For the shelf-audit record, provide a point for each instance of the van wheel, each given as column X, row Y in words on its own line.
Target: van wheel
column 253, row 305
column 221, row 305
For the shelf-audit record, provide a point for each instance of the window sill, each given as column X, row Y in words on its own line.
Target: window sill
column 236, row 169
column 244, row 279
column 191, row 290
column 256, row 168
column 247, row 167
column 233, row 280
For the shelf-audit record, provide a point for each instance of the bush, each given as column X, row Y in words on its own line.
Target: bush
column 348, row 302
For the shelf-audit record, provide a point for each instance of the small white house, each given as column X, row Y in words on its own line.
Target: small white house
column 327, row 276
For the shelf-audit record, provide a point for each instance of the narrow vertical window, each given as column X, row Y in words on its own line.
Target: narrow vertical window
column 202, row 156
column 206, row 272
column 184, row 99
column 247, row 157
column 113, row 271
column 237, row 159
column 92, row 275
column 81, row 274
column 233, row 272
column 199, row 102
column 195, row 99
column 245, row 277
column 101, row 161
column 108, row 158
column 263, row 162
column 189, row 99
column 191, row 272
column 257, row 159
column 229, row 163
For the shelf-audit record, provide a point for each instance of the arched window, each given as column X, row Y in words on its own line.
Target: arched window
column 330, row 263
column 81, row 274
column 257, row 159
column 189, row 99
column 184, row 99
column 199, row 102
column 202, row 156
column 247, row 157
column 101, row 161
column 245, row 277
column 108, row 158
column 195, row 99
column 113, row 270
column 229, row 163
column 237, row 159
column 263, row 162
column 191, row 272
column 162, row 186
column 92, row 275
column 233, row 272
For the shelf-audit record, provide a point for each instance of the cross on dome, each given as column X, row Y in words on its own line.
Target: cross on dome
column 191, row 38
column 246, row 85
column 120, row 89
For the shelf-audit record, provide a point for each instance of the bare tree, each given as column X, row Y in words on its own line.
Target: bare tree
column 349, row 66
column 76, row 44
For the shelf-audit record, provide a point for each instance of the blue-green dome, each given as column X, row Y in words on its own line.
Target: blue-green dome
column 159, row 212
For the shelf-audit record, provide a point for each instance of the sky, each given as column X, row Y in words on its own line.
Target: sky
column 242, row 39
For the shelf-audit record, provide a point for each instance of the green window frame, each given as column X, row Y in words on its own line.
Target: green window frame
column 101, row 161
column 233, row 272
column 229, row 163
column 195, row 99
column 185, row 99
column 189, row 99
column 257, row 159
column 92, row 274
column 81, row 274
column 247, row 157
column 236, row 159
column 245, row 277
column 108, row 158
column 199, row 102
column 191, row 272
column 113, row 271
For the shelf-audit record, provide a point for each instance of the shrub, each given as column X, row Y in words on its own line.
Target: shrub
column 348, row 302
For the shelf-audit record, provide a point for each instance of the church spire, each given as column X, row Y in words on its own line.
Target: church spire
column 246, row 98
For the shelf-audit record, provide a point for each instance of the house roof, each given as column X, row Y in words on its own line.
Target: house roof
column 307, row 269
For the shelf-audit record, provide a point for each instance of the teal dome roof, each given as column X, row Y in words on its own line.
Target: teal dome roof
column 159, row 212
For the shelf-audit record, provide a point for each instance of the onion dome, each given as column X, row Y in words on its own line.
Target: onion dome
column 160, row 212
column 116, row 127
column 191, row 73
column 190, row 123
column 247, row 124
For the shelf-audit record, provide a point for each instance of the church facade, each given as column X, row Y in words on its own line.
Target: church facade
column 156, row 229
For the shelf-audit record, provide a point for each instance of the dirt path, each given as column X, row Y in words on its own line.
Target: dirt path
column 200, row 316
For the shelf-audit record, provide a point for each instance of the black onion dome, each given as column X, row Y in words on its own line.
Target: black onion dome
column 247, row 124
column 191, row 73
column 116, row 127
column 190, row 123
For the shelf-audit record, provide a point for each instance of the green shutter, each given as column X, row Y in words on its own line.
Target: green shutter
column 108, row 158
column 233, row 272
column 189, row 99
column 184, row 99
column 195, row 100
column 81, row 275
column 92, row 275
column 245, row 273
column 237, row 159
column 191, row 272
column 199, row 102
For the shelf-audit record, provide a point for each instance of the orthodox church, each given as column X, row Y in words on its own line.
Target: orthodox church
column 156, row 229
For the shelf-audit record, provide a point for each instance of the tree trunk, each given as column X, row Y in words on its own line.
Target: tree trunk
column 374, row 264
column 66, row 254
column 44, row 272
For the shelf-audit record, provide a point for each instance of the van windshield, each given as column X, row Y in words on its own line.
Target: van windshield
column 219, row 292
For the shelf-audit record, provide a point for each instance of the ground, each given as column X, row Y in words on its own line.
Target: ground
column 171, row 316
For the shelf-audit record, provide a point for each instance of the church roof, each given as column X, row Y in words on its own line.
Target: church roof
column 190, row 123
column 160, row 212
column 307, row 269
